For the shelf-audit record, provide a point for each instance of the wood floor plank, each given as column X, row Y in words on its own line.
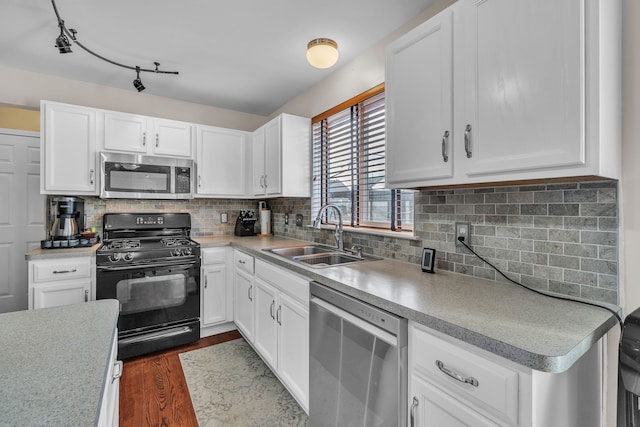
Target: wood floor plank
column 154, row 391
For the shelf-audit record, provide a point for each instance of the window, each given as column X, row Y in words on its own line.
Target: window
column 349, row 166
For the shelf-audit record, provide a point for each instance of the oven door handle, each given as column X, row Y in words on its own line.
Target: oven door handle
column 145, row 266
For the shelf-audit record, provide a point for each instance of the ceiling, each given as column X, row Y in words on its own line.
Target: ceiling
column 242, row 55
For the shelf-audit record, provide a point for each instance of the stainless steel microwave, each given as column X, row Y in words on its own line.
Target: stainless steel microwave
column 132, row 176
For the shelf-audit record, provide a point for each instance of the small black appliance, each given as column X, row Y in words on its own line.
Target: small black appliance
column 245, row 223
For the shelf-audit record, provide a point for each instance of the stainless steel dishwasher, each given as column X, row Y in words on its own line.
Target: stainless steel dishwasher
column 357, row 362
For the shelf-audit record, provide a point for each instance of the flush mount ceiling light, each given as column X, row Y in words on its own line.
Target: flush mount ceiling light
column 322, row 53
column 64, row 46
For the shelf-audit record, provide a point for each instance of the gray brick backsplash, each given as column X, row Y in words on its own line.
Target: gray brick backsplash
column 560, row 237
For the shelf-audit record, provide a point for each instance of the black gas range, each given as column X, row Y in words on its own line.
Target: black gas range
column 151, row 265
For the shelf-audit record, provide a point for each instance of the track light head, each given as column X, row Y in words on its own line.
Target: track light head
column 137, row 83
column 62, row 42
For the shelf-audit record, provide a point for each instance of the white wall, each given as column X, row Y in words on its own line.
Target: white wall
column 25, row 89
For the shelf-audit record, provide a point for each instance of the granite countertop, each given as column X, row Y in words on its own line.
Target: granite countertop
column 54, row 362
column 536, row 331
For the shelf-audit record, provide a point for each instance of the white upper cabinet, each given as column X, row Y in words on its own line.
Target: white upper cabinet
column 536, row 93
column 222, row 162
column 420, row 116
column 281, row 157
column 68, row 152
column 147, row 135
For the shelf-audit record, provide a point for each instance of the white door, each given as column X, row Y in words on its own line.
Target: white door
column 22, row 213
column 257, row 156
column 265, row 332
column 272, row 155
column 214, row 294
column 243, row 312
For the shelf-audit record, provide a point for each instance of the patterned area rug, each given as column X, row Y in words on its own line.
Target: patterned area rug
column 231, row 386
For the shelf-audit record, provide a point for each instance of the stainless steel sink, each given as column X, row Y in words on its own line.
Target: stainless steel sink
column 328, row 259
column 319, row 256
column 294, row 251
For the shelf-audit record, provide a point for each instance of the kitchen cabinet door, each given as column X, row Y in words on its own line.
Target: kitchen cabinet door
column 125, row 132
column 214, row 294
column 281, row 157
column 221, row 162
column 68, row 152
column 524, row 77
column 432, row 407
column 172, row 138
column 419, row 103
column 146, row 135
column 293, row 347
column 266, row 326
column 56, row 294
column 243, row 303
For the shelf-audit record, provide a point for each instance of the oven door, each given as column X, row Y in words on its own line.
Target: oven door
column 159, row 305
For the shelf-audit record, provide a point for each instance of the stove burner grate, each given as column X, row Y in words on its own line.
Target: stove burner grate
column 123, row 244
column 174, row 241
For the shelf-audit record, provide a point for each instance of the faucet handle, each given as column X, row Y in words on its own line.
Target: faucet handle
column 356, row 250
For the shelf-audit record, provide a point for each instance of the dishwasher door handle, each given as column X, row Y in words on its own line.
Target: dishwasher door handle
column 366, row 326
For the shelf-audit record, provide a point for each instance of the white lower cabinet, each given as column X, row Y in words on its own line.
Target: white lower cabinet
column 216, row 285
column 452, row 383
column 282, row 326
column 110, row 408
column 243, row 293
column 61, row 281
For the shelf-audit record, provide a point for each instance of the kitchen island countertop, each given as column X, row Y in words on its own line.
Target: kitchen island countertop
column 54, row 362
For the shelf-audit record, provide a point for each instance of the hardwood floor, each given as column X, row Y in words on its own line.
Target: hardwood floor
column 153, row 390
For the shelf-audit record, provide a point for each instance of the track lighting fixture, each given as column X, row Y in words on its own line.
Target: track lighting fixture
column 137, row 83
column 64, row 46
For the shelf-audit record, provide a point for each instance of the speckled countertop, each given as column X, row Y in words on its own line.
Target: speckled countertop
column 53, row 364
column 538, row 332
column 62, row 252
column 535, row 331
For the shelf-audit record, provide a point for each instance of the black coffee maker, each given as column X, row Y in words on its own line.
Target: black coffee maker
column 245, row 223
column 67, row 214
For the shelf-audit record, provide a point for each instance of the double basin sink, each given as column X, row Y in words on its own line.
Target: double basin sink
column 318, row 256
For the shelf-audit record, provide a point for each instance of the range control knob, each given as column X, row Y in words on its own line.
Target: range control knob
column 186, row 251
column 175, row 252
column 128, row 256
column 114, row 257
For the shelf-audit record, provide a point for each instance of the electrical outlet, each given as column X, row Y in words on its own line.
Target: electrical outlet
column 224, row 218
column 299, row 220
column 463, row 229
column 286, row 218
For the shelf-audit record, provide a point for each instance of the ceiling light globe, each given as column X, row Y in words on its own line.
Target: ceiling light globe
column 322, row 53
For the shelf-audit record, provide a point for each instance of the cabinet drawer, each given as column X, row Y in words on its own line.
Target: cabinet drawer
column 243, row 261
column 61, row 269
column 295, row 286
column 489, row 385
column 214, row 256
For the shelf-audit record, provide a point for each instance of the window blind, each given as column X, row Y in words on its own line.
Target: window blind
column 349, row 168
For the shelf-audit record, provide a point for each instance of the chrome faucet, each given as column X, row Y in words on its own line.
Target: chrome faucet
column 338, row 233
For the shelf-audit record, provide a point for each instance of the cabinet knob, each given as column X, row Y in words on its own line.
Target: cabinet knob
column 445, row 143
column 467, row 141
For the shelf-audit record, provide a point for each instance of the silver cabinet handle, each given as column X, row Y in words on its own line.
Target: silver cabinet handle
column 455, row 375
column 199, row 180
column 467, row 141
column 278, row 315
column 249, row 293
column 240, row 261
column 157, row 140
column 445, row 143
column 273, row 304
column 412, row 415
column 144, row 139
column 261, row 181
column 117, row 371
column 92, row 176
column 265, row 182
column 206, row 282
column 64, row 271
column 86, row 295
